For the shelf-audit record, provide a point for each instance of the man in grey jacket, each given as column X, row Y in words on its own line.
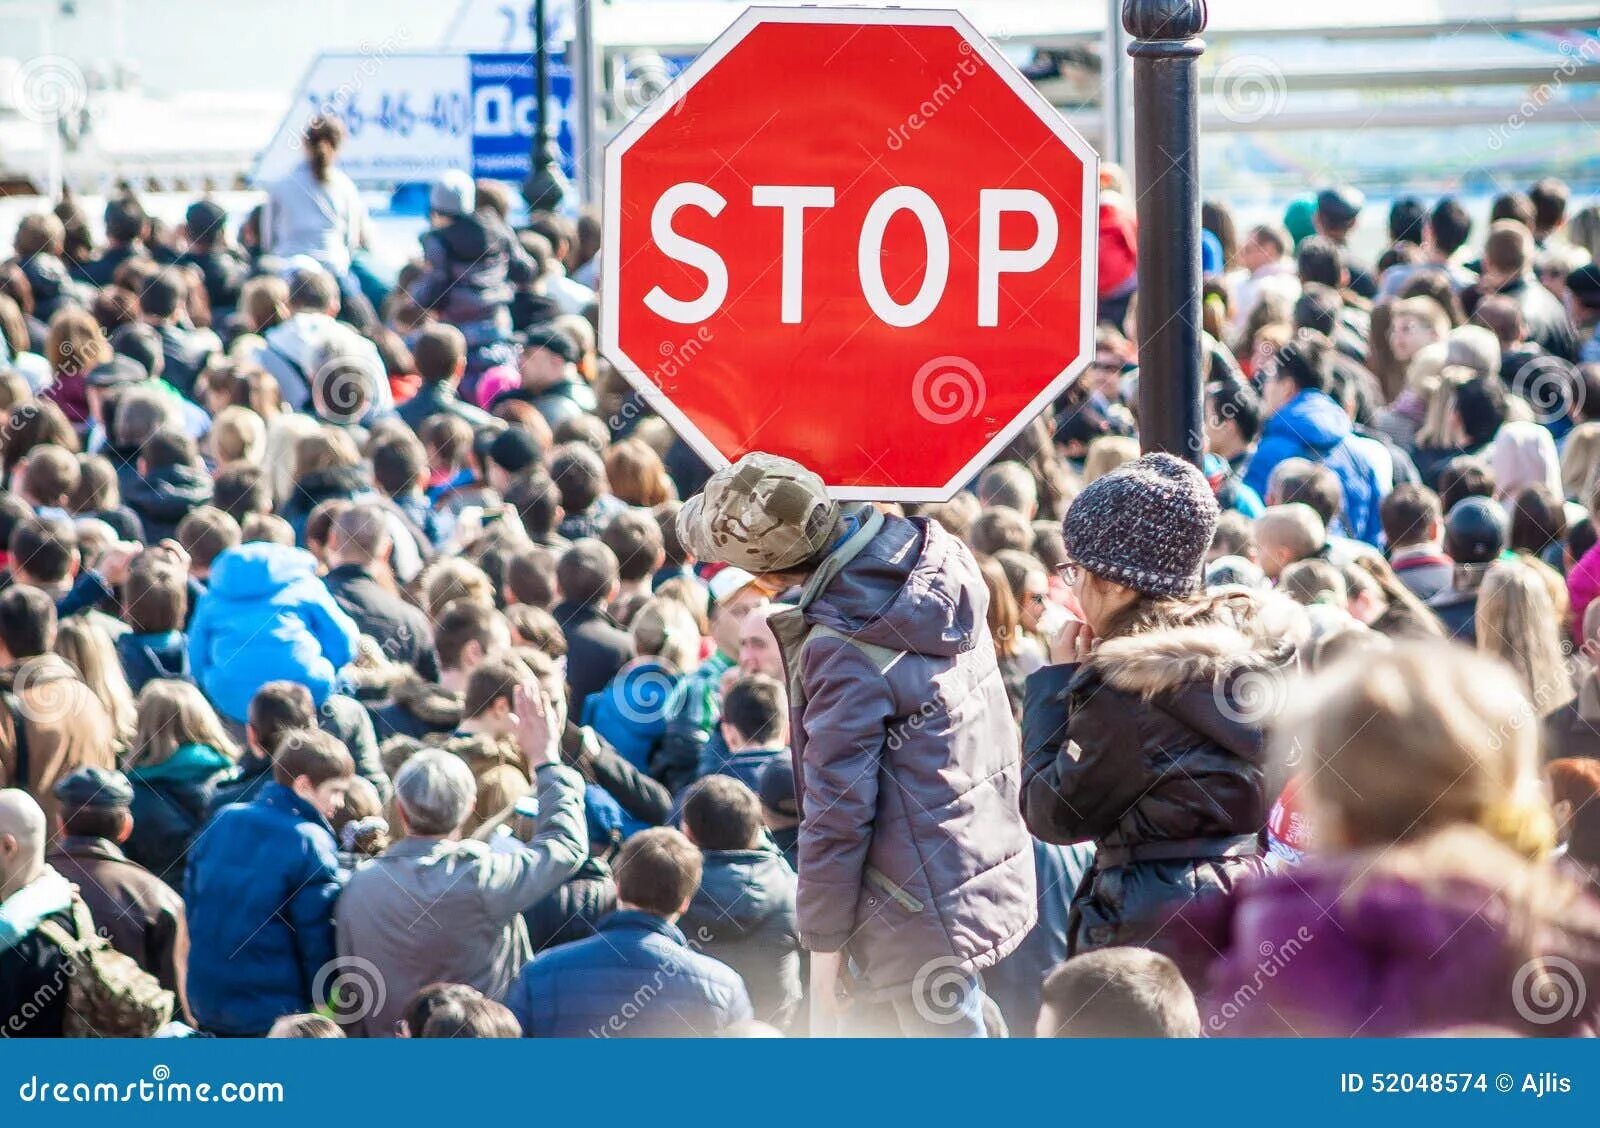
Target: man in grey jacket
column 433, row 908
column 916, row 871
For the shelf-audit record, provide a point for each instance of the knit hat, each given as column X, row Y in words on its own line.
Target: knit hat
column 453, row 193
column 1146, row 525
column 763, row 514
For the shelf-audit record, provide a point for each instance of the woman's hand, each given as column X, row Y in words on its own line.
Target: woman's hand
column 1073, row 643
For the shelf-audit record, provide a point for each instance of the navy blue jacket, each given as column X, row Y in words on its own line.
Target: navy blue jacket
column 263, row 880
column 146, row 657
column 638, row 978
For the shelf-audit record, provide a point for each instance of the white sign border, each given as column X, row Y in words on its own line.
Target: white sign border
column 611, row 229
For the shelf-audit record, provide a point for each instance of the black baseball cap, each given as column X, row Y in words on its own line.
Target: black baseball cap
column 553, row 339
column 1340, row 205
column 515, row 450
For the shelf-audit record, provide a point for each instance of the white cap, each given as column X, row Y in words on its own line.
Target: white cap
column 729, row 582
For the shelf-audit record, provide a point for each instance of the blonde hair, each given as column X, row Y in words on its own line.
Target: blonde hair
column 1436, row 429
column 452, row 578
column 172, row 714
column 284, row 432
column 1424, row 368
column 326, row 448
column 1517, row 623
column 1580, row 461
column 1469, row 755
column 88, row 647
column 238, row 434
column 1107, row 453
column 665, row 629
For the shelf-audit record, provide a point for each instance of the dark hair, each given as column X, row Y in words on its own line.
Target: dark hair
column 462, row 621
column 658, row 871
column 1549, row 199
column 163, row 295
column 311, row 753
column 494, row 679
column 530, row 576
column 999, row 527
column 93, row 822
column 169, row 447
column 634, row 538
column 241, row 489
column 1306, row 361
column 1449, row 224
column 46, row 547
column 397, row 462
column 536, row 499
column 206, row 533
column 27, row 621
column 1538, row 519
column 435, row 996
column 1315, row 485
column 1121, row 993
column 312, row 290
column 439, row 352
column 721, row 813
column 126, row 219
column 666, row 515
column 1464, row 477
column 1512, row 205
column 754, row 706
column 155, row 598
column 1318, row 308
column 537, row 628
column 1217, row 218
column 1237, row 402
column 587, row 572
column 280, row 707
column 1319, row 259
column 50, row 475
column 1407, row 217
column 579, row 475
column 1481, row 406
column 323, row 136
column 1408, row 513
column 474, row 1016
column 13, row 513
column 1581, row 537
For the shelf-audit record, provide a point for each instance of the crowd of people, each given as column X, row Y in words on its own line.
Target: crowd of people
column 376, row 663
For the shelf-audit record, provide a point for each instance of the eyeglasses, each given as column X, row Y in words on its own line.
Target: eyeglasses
column 1069, row 573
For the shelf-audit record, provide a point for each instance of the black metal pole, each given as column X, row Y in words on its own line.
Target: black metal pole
column 1166, row 43
column 546, row 186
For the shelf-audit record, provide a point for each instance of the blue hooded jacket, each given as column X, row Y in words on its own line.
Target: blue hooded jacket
column 1313, row 426
column 267, row 616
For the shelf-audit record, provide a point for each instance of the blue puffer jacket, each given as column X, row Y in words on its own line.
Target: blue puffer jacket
column 263, row 880
column 267, row 616
column 638, row 978
column 743, row 915
column 631, row 711
column 1313, row 426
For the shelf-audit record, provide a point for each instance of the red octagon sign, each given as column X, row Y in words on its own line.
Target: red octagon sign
column 855, row 237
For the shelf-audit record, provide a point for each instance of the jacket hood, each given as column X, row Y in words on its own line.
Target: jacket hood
column 1313, row 419
column 190, row 763
column 1223, row 672
column 258, row 569
column 913, row 587
column 482, row 752
column 741, row 889
column 170, row 492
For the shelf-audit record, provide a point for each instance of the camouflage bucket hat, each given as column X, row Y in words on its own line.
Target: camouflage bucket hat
column 763, row 514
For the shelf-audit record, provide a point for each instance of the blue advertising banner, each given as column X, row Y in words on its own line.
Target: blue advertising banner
column 773, row 1083
column 505, row 118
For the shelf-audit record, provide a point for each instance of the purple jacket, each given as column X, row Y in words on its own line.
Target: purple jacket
column 1302, row 954
column 912, row 848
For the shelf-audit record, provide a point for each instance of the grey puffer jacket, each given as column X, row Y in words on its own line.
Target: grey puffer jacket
column 907, row 761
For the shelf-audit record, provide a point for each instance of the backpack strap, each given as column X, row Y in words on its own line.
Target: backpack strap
column 22, row 770
column 87, row 940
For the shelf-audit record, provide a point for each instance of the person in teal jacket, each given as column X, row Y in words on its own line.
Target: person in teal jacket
column 267, row 616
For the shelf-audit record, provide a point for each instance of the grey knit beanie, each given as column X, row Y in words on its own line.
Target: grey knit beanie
column 1146, row 525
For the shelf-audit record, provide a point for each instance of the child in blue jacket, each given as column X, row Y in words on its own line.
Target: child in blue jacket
column 267, row 616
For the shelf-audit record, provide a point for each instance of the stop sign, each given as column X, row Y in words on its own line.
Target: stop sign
column 855, row 237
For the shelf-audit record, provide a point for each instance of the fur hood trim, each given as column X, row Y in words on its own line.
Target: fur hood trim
column 1227, row 637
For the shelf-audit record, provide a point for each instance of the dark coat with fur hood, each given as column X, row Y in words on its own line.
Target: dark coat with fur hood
column 1154, row 749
